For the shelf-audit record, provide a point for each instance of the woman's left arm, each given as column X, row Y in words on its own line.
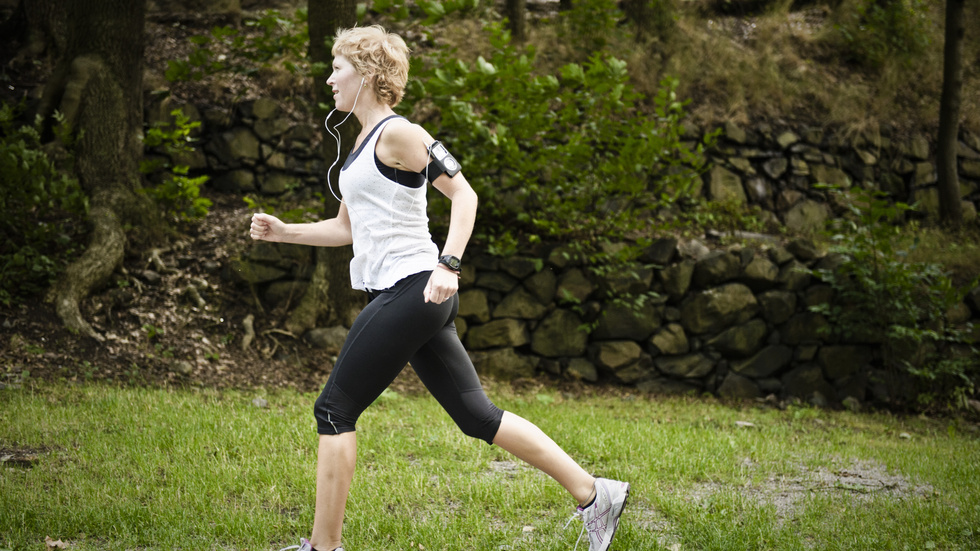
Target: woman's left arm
column 404, row 145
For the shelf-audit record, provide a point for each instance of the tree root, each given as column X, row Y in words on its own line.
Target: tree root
column 101, row 258
column 249, row 324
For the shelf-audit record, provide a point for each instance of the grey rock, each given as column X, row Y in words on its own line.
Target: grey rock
column 234, row 146
column 807, row 216
column 573, row 286
column 670, row 340
column 805, row 380
column 724, row 185
column 830, row 175
column 794, row 276
column 737, row 387
column 473, row 305
column 542, row 285
column 676, row 279
column 327, row 338
column 715, row 268
column 560, row 335
column 520, row 303
column 622, row 322
column 760, row 274
column 689, row 366
column 497, row 334
column 614, row 355
column 766, row 363
column 661, row 252
column 692, row 248
column 775, row 167
column 741, row 340
column 520, row 267
column 714, row 309
column 582, row 369
column 496, row 281
column 504, row 364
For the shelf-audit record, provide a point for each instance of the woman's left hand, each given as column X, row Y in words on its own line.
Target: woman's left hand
column 443, row 284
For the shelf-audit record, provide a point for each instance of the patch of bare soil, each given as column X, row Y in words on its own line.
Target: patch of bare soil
column 848, row 481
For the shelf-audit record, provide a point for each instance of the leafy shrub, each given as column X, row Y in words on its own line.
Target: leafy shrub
column 883, row 299
column 44, row 210
column 587, row 27
column 269, row 39
column 432, row 10
column 570, row 158
column 178, row 193
column 874, row 31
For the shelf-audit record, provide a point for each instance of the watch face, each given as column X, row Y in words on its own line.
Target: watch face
column 450, row 261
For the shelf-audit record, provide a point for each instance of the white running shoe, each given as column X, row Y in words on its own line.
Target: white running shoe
column 305, row 546
column 602, row 517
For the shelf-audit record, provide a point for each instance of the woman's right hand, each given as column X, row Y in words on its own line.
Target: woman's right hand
column 266, row 227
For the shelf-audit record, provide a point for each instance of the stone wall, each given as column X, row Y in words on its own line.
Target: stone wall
column 734, row 321
column 776, row 169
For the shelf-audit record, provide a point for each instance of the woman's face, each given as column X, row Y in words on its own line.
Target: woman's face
column 345, row 83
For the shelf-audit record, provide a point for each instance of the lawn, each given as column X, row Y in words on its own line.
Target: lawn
column 110, row 468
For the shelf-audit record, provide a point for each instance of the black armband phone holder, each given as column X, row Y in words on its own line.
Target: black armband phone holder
column 443, row 162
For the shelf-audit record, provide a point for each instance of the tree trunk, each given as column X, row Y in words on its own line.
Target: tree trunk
column 97, row 86
column 516, row 17
column 950, row 205
column 329, row 295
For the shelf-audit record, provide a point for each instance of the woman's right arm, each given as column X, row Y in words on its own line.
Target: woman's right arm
column 334, row 232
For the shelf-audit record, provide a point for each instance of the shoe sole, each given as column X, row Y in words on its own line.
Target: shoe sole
column 616, row 522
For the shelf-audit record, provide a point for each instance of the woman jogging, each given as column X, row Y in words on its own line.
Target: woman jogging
column 412, row 287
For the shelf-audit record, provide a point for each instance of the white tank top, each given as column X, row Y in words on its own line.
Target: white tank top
column 389, row 224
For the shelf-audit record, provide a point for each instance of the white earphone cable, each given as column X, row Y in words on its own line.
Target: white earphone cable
column 336, row 138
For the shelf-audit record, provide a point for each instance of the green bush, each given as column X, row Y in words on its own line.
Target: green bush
column 177, row 193
column 269, row 39
column 568, row 158
column 588, row 26
column 902, row 306
column 44, row 210
column 875, row 31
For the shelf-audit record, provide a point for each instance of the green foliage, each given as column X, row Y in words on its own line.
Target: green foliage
column 568, row 158
column 587, row 27
column 432, row 11
column 563, row 158
column 875, row 31
column 882, row 298
column 267, row 40
column 178, row 193
column 44, row 208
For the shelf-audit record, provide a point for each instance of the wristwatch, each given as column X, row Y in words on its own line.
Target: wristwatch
column 450, row 262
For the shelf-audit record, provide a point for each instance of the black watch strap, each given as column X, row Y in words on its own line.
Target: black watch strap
column 450, row 262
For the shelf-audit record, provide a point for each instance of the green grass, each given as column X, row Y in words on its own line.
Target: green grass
column 149, row 469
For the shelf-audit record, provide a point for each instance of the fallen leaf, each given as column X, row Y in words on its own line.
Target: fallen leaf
column 54, row 544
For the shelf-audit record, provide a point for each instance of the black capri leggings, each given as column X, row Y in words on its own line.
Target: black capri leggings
column 397, row 327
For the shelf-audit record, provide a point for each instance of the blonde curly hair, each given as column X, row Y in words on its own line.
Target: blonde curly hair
column 374, row 52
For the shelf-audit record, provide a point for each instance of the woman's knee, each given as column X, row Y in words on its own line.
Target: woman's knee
column 482, row 425
column 334, row 412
